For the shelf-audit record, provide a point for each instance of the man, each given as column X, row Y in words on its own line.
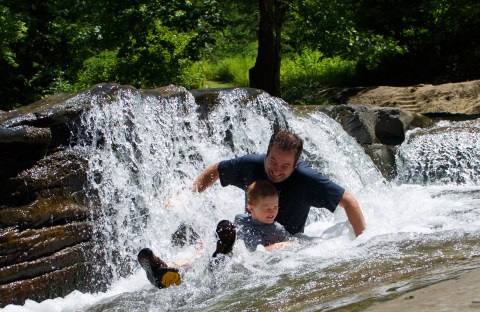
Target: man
column 299, row 186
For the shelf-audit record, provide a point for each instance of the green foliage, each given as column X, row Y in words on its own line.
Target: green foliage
column 239, row 29
column 72, row 44
column 215, row 84
column 61, row 85
column 63, row 46
column 161, row 60
column 232, row 70
column 192, row 75
column 437, row 38
column 301, row 74
column 12, row 30
column 154, row 60
column 98, row 68
column 330, row 27
column 370, row 49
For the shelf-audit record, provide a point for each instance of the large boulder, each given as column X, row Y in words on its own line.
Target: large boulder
column 43, row 218
column 379, row 130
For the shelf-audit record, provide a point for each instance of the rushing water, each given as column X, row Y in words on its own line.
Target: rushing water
column 146, row 153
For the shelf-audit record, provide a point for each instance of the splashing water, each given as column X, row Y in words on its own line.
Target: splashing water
column 448, row 154
column 144, row 154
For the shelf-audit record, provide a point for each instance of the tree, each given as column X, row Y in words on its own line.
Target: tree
column 12, row 30
column 51, row 46
column 265, row 74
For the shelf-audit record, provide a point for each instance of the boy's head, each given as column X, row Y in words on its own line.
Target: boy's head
column 262, row 201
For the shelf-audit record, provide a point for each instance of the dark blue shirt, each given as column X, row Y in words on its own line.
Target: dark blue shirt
column 254, row 232
column 304, row 188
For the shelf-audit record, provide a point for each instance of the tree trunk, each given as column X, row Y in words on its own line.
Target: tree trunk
column 265, row 74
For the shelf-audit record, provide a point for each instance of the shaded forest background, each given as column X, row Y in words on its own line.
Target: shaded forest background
column 53, row 46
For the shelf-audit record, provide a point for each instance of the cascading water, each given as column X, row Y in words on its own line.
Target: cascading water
column 144, row 154
column 449, row 153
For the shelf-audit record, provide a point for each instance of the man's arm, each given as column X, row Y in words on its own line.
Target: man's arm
column 354, row 212
column 206, row 178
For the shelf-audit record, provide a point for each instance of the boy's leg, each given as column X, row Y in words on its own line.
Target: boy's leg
column 226, row 235
column 158, row 272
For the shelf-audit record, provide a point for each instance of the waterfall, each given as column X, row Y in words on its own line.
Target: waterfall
column 143, row 151
column 448, row 153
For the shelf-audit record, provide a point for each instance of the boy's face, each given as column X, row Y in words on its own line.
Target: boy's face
column 279, row 164
column 265, row 210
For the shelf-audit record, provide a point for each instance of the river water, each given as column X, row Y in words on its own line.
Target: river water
column 422, row 227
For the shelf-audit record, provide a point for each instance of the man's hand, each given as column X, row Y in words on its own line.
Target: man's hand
column 354, row 212
column 206, row 178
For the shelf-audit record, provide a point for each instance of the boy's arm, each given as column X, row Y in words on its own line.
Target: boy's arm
column 206, row 178
column 187, row 262
column 277, row 246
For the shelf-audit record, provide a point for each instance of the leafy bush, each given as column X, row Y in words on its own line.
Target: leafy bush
column 302, row 73
column 231, row 69
column 192, row 75
column 11, row 31
column 99, row 68
column 60, row 84
column 160, row 60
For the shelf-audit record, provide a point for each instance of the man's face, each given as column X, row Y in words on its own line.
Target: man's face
column 279, row 164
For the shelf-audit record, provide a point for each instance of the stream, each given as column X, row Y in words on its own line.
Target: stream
column 421, row 228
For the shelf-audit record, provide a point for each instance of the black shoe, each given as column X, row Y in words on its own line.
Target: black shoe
column 184, row 235
column 158, row 272
column 226, row 235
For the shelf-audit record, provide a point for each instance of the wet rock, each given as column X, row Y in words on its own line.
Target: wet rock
column 378, row 130
column 383, row 156
column 207, row 99
column 370, row 125
column 47, row 277
column 44, row 216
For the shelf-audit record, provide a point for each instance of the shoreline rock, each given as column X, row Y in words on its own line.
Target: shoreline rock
column 454, row 294
column 450, row 99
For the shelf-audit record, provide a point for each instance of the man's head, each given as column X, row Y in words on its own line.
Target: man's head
column 262, row 201
column 283, row 153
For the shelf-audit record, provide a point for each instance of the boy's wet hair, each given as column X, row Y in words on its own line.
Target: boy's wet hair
column 286, row 141
column 260, row 189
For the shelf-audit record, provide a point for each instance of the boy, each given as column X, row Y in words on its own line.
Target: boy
column 257, row 228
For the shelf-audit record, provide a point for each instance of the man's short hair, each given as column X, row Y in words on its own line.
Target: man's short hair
column 286, row 141
column 260, row 189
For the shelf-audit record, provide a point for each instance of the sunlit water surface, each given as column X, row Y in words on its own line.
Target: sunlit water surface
column 148, row 152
